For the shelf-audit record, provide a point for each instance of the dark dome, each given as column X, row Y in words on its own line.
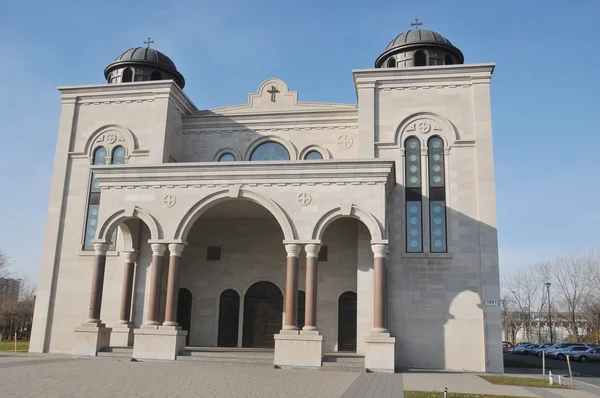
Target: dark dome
column 420, row 36
column 149, row 57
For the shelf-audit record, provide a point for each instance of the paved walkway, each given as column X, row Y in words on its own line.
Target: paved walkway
column 26, row 375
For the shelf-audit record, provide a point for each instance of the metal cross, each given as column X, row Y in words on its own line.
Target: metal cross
column 416, row 24
column 149, row 41
column 273, row 91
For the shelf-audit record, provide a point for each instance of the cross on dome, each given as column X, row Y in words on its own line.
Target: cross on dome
column 148, row 41
column 416, row 24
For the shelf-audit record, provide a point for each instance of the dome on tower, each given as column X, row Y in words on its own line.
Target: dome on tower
column 419, row 47
column 142, row 64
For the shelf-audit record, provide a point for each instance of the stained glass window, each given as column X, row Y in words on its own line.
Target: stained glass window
column 270, row 151
column 227, row 157
column 413, row 193
column 437, row 196
column 118, row 155
column 313, row 155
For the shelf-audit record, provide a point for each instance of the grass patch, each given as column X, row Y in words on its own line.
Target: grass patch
column 435, row 394
column 7, row 345
column 520, row 381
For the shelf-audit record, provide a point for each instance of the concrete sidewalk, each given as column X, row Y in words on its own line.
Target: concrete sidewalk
column 473, row 384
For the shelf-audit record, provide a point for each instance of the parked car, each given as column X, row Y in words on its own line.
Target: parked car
column 560, row 353
column 520, row 349
column 572, row 351
column 540, row 348
column 530, row 349
column 506, row 346
column 559, row 346
column 591, row 354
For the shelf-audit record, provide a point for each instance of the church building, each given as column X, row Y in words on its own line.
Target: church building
column 298, row 229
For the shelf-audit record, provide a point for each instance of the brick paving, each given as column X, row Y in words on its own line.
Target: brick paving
column 63, row 376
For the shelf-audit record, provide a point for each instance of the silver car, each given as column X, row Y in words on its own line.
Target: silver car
column 591, row 354
column 572, row 352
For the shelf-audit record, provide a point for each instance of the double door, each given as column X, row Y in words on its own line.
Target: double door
column 262, row 320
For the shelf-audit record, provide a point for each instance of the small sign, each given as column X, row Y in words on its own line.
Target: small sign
column 491, row 303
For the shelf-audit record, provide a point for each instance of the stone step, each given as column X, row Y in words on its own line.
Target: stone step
column 344, row 364
column 105, row 354
column 358, row 369
column 230, row 355
column 262, row 362
column 333, row 358
column 123, row 350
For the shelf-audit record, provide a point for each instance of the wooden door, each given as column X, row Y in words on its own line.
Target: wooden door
column 347, row 322
column 184, row 312
column 229, row 315
column 263, row 309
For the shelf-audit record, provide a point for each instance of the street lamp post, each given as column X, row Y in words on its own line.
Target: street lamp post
column 548, row 284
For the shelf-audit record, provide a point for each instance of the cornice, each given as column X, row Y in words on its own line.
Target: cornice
column 423, row 77
column 213, row 174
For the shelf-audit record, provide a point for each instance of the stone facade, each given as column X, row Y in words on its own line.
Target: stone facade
column 172, row 199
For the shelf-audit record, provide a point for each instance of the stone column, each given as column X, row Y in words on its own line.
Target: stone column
column 291, row 287
column 173, row 285
column 158, row 251
column 125, row 316
column 97, row 282
column 312, row 259
column 380, row 288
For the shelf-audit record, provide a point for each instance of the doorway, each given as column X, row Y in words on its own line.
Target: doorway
column 229, row 315
column 184, row 312
column 263, row 309
column 347, row 322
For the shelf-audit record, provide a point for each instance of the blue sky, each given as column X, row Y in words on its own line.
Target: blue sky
column 544, row 90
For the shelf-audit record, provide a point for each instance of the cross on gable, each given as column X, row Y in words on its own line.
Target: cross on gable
column 273, row 91
column 416, row 24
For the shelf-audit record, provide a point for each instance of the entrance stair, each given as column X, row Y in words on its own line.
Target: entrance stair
column 116, row 352
column 343, row 362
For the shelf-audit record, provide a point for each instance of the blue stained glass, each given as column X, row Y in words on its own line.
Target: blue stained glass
column 118, row 156
column 412, row 143
column 412, row 158
column 413, row 227
column 227, row 157
column 270, row 151
column 438, row 226
column 90, row 230
column 436, row 157
column 100, row 156
column 313, row 155
column 436, row 142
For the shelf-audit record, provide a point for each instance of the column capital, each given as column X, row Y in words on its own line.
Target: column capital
column 101, row 248
column 158, row 249
column 312, row 250
column 379, row 250
column 130, row 256
column 176, row 248
column 293, row 249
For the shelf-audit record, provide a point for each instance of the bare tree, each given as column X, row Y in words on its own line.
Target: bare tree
column 524, row 289
column 4, row 263
column 573, row 274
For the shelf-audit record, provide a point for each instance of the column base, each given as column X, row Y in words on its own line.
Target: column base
column 380, row 353
column 89, row 338
column 122, row 335
column 295, row 348
column 161, row 343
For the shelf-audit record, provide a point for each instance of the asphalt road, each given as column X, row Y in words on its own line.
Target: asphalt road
column 586, row 372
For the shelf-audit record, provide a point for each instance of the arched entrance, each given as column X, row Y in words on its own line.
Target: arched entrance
column 229, row 315
column 347, row 322
column 263, row 309
column 184, row 312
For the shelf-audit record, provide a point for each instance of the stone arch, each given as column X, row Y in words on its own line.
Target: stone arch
column 434, row 124
column 233, row 192
column 287, row 144
column 323, row 151
column 258, row 280
column 348, row 210
column 102, row 136
column 236, row 154
column 118, row 219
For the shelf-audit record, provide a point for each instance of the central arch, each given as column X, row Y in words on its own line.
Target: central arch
column 234, row 192
column 263, row 310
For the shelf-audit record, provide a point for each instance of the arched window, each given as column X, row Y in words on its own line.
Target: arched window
column 118, row 155
column 419, row 58
column 156, row 75
column 270, row 151
column 127, row 76
column 448, row 60
column 313, row 155
column 391, row 63
column 91, row 222
column 412, row 186
column 227, row 157
column 437, row 196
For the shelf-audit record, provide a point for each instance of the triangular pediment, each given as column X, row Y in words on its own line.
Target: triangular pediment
column 274, row 96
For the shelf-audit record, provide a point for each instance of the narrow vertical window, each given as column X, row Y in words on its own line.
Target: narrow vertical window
column 437, row 196
column 91, row 222
column 412, row 184
column 391, row 63
column 419, row 58
column 127, row 76
column 118, row 155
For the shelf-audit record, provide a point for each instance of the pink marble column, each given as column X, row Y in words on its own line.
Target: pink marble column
column 97, row 282
column 291, row 287
column 125, row 315
column 158, row 252
column 312, row 260
column 380, row 288
column 173, row 284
